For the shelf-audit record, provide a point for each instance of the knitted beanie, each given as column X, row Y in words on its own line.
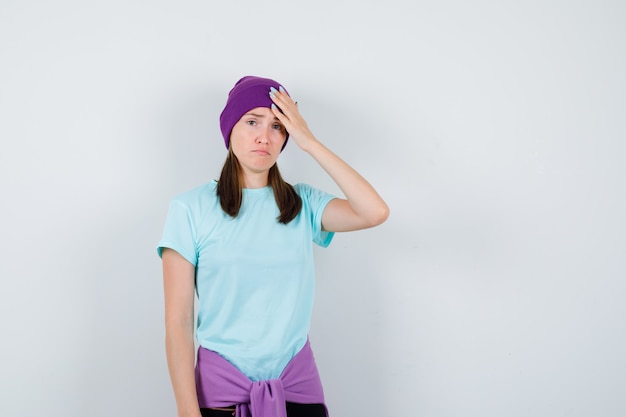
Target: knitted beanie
column 248, row 93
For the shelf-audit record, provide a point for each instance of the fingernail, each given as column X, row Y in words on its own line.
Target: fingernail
column 272, row 90
column 282, row 90
column 274, row 106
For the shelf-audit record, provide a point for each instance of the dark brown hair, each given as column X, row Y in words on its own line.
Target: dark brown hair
column 230, row 185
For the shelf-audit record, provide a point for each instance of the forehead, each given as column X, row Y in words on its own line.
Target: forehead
column 260, row 112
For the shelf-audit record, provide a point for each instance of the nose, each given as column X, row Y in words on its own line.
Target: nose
column 264, row 135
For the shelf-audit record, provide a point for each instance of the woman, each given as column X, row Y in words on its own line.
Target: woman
column 244, row 244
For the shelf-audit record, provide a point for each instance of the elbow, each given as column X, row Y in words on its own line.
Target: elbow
column 177, row 333
column 176, row 325
column 379, row 216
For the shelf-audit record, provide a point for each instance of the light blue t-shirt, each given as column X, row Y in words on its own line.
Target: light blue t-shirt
column 254, row 275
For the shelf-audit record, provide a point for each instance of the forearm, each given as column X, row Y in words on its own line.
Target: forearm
column 361, row 196
column 180, row 352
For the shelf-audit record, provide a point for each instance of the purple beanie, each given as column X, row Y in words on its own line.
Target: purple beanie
column 248, row 93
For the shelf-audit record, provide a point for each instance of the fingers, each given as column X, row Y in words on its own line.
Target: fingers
column 282, row 99
column 286, row 111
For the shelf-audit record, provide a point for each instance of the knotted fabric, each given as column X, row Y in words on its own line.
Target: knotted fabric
column 219, row 384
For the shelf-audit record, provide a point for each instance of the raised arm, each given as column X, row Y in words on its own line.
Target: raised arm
column 363, row 207
column 178, row 284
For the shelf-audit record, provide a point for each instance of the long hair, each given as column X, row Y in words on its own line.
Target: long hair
column 230, row 185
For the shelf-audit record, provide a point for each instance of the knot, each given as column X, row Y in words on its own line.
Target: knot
column 267, row 399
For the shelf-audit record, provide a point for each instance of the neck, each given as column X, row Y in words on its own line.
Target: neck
column 255, row 180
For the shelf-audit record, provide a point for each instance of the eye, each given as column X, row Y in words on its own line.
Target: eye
column 278, row 126
column 251, row 122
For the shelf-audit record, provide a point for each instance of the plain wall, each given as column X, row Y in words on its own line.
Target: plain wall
column 495, row 131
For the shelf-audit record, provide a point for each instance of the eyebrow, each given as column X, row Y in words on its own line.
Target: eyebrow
column 260, row 116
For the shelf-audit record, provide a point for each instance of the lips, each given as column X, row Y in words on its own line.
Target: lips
column 261, row 152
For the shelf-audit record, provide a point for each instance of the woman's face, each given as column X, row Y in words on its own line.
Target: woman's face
column 257, row 139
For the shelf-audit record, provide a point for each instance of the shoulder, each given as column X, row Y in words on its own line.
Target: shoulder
column 304, row 190
column 196, row 201
column 313, row 196
column 197, row 195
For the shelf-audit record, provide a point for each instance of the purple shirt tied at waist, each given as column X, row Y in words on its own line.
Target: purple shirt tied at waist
column 220, row 384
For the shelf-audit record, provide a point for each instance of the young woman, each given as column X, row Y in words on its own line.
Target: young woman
column 244, row 245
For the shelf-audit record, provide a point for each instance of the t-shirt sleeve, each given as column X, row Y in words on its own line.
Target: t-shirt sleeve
column 178, row 233
column 315, row 202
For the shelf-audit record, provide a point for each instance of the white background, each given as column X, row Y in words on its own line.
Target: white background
column 495, row 131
